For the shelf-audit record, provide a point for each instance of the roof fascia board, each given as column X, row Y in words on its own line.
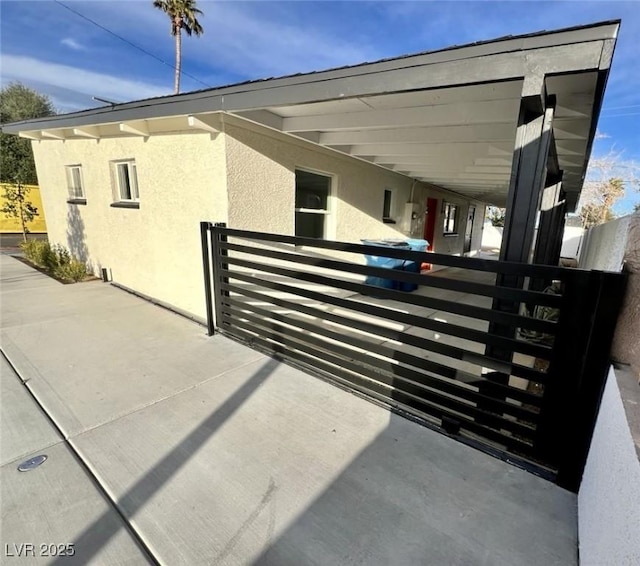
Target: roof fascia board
column 489, row 62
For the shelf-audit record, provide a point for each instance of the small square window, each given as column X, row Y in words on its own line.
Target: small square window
column 387, row 207
column 126, row 178
column 74, row 182
column 450, row 217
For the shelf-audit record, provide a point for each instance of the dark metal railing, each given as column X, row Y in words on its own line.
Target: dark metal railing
column 481, row 377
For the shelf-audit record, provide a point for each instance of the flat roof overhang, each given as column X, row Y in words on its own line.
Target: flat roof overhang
column 448, row 117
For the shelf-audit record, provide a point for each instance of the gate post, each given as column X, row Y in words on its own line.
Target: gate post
column 578, row 371
column 593, row 379
column 217, row 255
column 205, row 227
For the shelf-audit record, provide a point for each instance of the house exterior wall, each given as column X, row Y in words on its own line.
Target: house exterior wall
column 244, row 176
column 261, row 184
column 155, row 249
column 261, row 166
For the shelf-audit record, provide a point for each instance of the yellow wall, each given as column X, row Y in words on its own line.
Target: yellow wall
column 13, row 224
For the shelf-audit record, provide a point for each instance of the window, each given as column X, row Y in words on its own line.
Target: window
column 126, row 181
column 450, row 214
column 312, row 204
column 74, row 183
column 388, row 211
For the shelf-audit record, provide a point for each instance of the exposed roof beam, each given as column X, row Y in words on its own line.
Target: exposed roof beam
column 466, row 185
column 439, row 134
column 201, row 123
column 417, row 149
column 87, row 132
column 438, row 170
column 263, row 117
column 487, row 112
column 136, row 127
column 53, row 134
column 309, row 136
column 30, row 135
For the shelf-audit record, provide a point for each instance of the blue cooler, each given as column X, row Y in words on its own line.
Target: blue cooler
column 386, row 262
column 413, row 266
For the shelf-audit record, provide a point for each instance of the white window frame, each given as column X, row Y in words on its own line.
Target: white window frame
column 327, row 212
column 391, row 216
column 132, row 174
column 447, row 207
column 75, row 191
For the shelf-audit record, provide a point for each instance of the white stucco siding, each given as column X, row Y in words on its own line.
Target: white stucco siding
column 155, row 249
column 261, row 183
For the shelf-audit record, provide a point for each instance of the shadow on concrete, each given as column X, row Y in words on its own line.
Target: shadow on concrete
column 98, row 534
column 414, row 497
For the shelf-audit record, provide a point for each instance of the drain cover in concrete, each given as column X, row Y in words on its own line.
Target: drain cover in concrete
column 32, row 463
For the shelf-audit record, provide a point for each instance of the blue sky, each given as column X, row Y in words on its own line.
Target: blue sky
column 58, row 53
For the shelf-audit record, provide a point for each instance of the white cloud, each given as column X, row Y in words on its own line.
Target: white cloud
column 72, row 44
column 30, row 70
column 251, row 44
column 243, row 38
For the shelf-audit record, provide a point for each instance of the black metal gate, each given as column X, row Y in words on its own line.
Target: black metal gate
column 516, row 372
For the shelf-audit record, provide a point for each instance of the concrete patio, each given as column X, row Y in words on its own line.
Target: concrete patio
column 170, row 447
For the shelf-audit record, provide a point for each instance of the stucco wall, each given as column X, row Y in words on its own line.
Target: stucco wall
column 607, row 247
column 155, row 249
column 626, row 344
column 244, row 176
column 261, row 166
column 609, row 498
column 603, row 246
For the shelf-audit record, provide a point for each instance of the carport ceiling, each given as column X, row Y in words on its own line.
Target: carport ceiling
column 459, row 138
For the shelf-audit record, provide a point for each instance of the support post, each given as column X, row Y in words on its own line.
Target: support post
column 550, row 227
column 528, row 173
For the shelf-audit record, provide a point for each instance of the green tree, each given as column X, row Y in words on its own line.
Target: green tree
column 497, row 216
column 609, row 177
column 183, row 16
column 17, row 103
column 16, row 205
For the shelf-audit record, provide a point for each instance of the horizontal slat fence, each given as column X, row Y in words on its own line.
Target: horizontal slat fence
column 437, row 353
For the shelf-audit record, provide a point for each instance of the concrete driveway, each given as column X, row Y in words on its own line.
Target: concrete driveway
column 166, row 446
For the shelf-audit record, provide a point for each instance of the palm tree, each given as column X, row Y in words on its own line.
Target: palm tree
column 183, row 16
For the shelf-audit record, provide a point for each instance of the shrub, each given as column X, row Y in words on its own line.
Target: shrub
column 73, row 270
column 60, row 257
column 40, row 253
column 56, row 259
